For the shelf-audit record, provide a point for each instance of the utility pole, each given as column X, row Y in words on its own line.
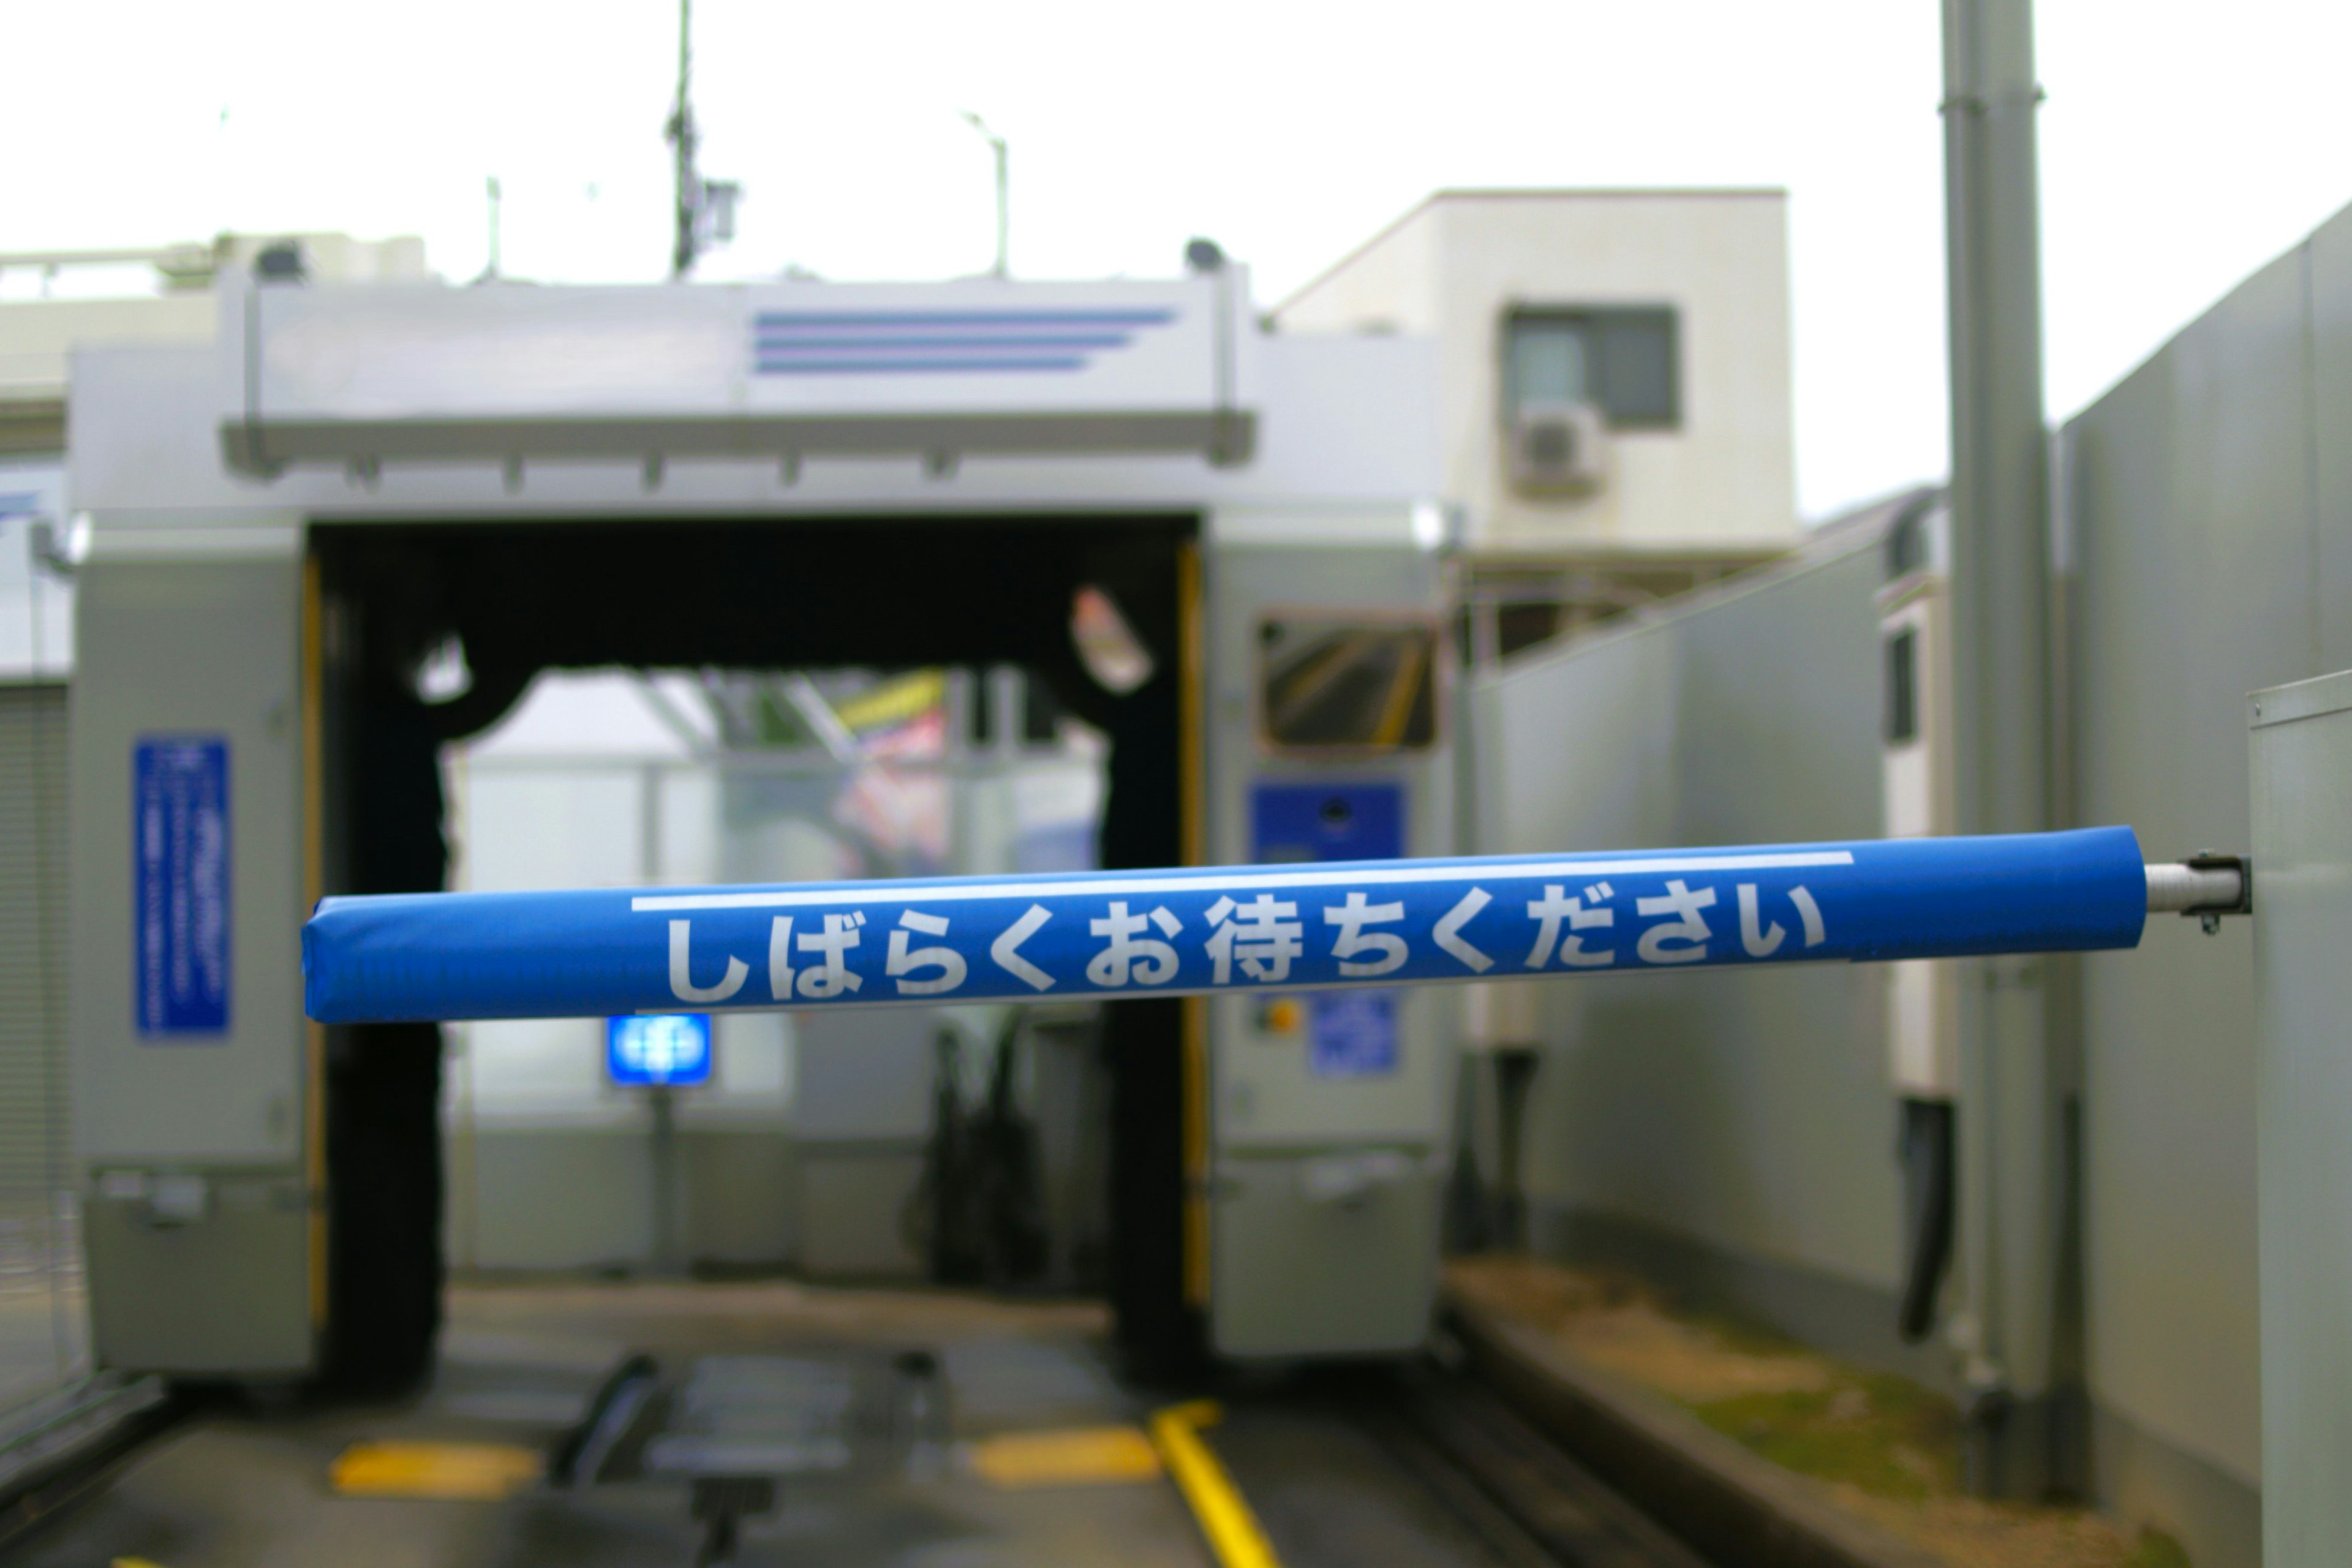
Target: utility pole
column 996, row 145
column 705, row 215
column 683, row 141
column 2013, row 1089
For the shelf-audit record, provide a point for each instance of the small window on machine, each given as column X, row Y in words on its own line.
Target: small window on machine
column 1902, row 688
column 1327, row 684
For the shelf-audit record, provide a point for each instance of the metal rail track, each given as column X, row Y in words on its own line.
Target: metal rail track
column 1419, row 1467
column 1527, row 1499
column 53, row 1471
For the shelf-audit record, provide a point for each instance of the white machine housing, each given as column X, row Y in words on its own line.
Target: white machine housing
column 1311, row 463
column 1915, row 639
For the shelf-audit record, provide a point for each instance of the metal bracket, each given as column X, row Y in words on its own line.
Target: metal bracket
column 2209, row 916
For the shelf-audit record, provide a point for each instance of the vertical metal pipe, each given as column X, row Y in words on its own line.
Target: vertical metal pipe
column 667, row 1259
column 1004, row 207
column 687, row 210
column 2010, row 1107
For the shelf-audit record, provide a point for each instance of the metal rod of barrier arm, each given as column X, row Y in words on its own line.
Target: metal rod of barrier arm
column 1238, row 928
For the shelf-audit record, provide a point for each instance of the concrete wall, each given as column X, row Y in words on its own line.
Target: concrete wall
column 1743, row 1114
column 43, row 1320
column 805, row 1149
column 38, row 336
column 1453, row 268
column 550, row 1166
column 1733, row 1129
column 37, row 603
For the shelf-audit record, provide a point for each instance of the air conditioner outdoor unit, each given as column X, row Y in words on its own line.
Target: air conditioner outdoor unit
column 1557, row 449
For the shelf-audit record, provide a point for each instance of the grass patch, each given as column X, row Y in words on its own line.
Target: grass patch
column 1745, row 1335
column 2156, row 1550
column 1889, row 1449
column 1883, row 1434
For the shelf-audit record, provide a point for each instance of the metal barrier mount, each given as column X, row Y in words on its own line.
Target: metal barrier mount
column 1237, row 928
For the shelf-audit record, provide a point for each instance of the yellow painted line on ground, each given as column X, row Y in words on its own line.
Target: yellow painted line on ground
column 132, row 1562
column 1074, row 1456
column 480, row 1472
column 1223, row 1514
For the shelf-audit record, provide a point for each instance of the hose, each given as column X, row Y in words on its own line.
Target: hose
column 1928, row 1169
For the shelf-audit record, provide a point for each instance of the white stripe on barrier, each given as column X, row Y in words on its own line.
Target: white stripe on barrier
column 835, row 896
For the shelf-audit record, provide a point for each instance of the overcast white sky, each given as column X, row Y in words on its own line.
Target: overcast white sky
column 2183, row 146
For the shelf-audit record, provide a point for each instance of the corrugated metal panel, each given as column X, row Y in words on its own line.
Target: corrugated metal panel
column 32, row 936
column 1745, row 1109
column 41, row 1333
column 2208, row 527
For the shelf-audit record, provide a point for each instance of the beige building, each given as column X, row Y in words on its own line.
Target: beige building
column 36, row 336
column 1614, row 387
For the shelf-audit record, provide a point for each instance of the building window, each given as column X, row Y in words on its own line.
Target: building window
column 1906, row 544
column 1624, row 362
column 1902, row 688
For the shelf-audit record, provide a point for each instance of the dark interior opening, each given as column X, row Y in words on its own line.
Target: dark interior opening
column 746, row 594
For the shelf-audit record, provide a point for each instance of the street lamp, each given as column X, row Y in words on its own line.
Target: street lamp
column 1003, row 267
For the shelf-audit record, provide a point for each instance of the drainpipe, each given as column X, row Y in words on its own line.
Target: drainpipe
column 2011, row 1090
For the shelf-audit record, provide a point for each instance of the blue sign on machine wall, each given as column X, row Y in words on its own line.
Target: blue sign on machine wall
column 1327, row 822
column 1350, row 1034
column 180, row 858
column 654, row 1048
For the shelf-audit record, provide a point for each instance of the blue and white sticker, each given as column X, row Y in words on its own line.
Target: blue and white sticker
column 1242, row 928
column 1351, row 1034
column 180, row 858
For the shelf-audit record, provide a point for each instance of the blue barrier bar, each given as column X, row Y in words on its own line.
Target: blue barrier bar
column 1236, row 928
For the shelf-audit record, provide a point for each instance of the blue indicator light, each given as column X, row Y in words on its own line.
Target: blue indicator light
column 671, row 1048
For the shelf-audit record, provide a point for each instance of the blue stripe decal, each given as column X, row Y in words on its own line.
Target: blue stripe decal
column 876, row 366
column 885, row 343
column 774, row 320
column 834, row 344
column 1244, row 927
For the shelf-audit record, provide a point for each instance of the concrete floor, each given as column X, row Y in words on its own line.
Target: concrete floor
column 521, row 1362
